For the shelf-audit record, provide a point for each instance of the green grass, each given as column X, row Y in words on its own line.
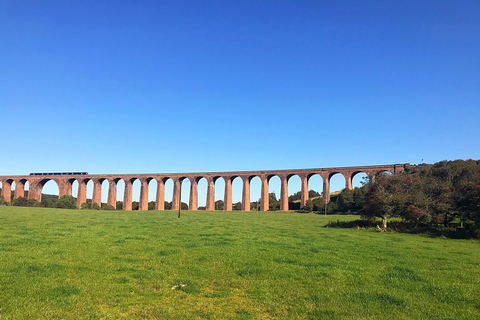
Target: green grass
column 72, row 264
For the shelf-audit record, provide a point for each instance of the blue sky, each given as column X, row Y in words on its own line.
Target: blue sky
column 189, row 86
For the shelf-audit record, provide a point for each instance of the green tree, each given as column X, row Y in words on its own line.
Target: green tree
column 151, row 205
column 95, row 206
column 32, row 203
column 20, row 202
column 219, row 205
column 66, row 202
column 3, row 202
column 119, row 205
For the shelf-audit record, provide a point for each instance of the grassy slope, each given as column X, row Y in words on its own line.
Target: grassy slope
column 71, row 264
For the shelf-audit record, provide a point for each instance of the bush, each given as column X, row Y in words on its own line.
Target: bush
column 3, row 202
column 108, row 207
column 66, row 202
column 20, row 201
column 95, row 206
column 32, row 203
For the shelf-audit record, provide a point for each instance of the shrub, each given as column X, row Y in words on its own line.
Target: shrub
column 20, row 201
column 66, row 202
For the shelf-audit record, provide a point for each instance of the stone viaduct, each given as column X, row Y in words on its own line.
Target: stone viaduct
column 65, row 183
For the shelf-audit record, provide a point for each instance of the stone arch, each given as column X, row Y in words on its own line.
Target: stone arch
column 71, row 188
column 338, row 184
column 220, row 185
column 185, row 192
column 255, row 192
column 168, row 183
column 315, row 180
column 148, row 193
column 236, row 193
column 383, row 171
column 294, row 185
column 274, row 188
column 357, row 177
column 38, row 190
column 119, row 186
column 202, row 187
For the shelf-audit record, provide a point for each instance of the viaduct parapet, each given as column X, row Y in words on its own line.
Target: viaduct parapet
column 65, row 183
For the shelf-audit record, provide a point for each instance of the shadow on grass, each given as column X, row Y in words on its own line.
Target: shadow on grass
column 403, row 227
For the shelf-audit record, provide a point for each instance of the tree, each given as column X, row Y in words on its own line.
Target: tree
column 219, row 205
column 95, row 206
column 20, row 202
column 151, row 205
column 119, row 205
column 66, row 202
column 379, row 202
column 48, row 203
column 3, row 202
column 32, row 203
column 237, row 206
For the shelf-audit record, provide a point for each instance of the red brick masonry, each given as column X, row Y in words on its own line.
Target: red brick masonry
column 65, row 183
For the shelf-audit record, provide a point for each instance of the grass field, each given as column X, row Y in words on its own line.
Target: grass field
column 73, row 264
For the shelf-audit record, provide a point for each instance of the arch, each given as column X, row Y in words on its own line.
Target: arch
column 255, row 183
column 168, row 194
column 119, row 193
column 315, row 186
column 185, row 193
column 359, row 178
column 336, row 182
column 26, row 188
column 136, row 185
column 89, row 191
column 152, row 186
column 202, row 186
column 72, row 188
column 383, row 171
column 237, row 193
column 104, row 187
column 274, row 191
column 47, row 192
column 294, row 184
column 220, row 184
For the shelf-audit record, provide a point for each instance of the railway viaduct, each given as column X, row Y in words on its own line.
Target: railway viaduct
column 65, row 183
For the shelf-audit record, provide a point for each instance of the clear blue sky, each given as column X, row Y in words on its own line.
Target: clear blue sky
column 188, row 86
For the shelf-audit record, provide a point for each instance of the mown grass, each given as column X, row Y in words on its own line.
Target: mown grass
column 72, row 264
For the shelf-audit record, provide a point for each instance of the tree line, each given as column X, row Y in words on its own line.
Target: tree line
column 435, row 195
